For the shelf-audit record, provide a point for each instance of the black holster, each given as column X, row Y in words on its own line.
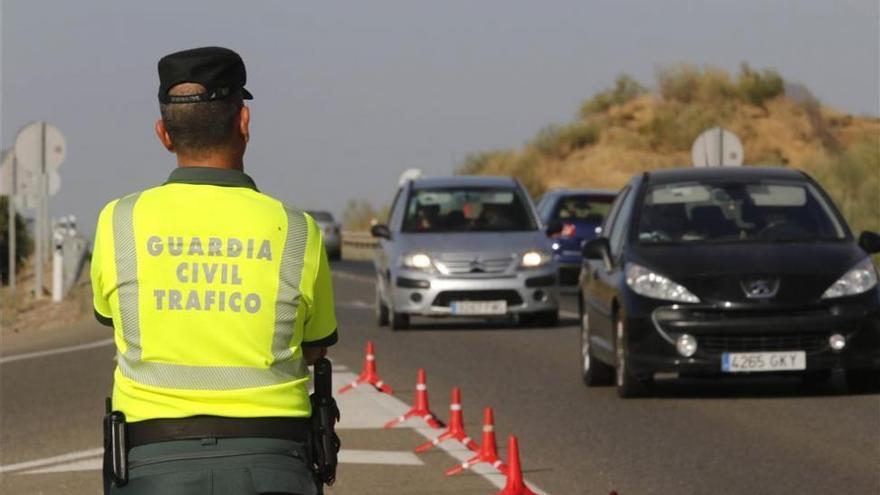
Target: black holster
column 115, row 449
column 325, row 443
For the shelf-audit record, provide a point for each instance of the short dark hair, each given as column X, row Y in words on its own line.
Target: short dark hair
column 201, row 126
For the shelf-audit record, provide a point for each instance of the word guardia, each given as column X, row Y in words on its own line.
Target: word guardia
column 221, row 273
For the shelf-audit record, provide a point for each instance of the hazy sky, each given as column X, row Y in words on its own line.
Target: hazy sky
column 349, row 94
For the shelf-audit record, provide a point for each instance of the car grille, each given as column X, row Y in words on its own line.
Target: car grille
column 717, row 344
column 445, row 298
column 459, row 264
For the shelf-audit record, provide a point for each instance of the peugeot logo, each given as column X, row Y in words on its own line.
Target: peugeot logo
column 761, row 288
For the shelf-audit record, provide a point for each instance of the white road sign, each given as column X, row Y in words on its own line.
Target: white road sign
column 29, row 147
column 717, row 147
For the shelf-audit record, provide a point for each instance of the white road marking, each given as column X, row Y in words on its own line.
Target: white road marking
column 568, row 314
column 386, row 457
column 72, row 456
column 60, row 350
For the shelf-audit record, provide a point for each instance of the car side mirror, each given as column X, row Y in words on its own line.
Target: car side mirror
column 597, row 249
column 870, row 242
column 380, row 231
column 554, row 227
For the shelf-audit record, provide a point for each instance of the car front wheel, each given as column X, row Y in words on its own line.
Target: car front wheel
column 628, row 385
column 381, row 310
column 594, row 372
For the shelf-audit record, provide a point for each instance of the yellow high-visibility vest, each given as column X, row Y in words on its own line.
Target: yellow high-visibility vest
column 213, row 289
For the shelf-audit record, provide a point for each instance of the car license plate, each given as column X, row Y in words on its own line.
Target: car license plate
column 739, row 362
column 479, row 307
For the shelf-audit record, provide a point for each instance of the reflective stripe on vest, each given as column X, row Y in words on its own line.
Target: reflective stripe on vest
column 284, row 367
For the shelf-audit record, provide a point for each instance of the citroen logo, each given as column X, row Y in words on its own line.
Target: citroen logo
column 760, row 288
column 477, row 265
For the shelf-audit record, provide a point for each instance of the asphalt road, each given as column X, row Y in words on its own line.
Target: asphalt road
column 731, row 437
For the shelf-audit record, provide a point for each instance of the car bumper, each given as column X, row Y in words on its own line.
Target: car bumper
column 527, row 291
column 651, row 337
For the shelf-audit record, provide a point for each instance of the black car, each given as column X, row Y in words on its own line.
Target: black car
column 732, row 270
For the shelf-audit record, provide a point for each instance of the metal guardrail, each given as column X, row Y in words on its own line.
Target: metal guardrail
column 358, row 245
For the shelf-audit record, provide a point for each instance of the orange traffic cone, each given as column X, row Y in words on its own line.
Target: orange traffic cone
column 369, row 374
column 456, row 427
column 488, row 449
column 515, row 484
column 421, row 408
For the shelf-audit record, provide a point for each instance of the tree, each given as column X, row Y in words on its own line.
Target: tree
column 22, row 240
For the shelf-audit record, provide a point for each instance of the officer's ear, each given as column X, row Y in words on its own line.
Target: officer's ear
column 164, row 137
column 244, row 122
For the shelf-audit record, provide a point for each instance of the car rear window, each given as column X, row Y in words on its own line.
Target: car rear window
column 582, row 208
column 736, row 212
column 467, row 209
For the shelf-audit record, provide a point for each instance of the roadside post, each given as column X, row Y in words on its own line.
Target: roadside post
column 39, row 150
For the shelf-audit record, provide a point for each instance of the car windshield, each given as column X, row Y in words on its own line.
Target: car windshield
column 467, row 209
column 321, row 216
column 582, row 208
column 778, row 211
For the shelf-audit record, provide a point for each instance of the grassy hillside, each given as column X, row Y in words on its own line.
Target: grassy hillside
column 628, row 129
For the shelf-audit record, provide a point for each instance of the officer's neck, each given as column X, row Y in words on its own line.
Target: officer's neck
column 211, row 160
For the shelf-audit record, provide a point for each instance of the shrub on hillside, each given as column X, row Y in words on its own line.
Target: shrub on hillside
column 688, row 84
column 558, row 141
column 852, row 178
column 674, row 126
column 679, row 83
column 625, row 89
column 756, row 87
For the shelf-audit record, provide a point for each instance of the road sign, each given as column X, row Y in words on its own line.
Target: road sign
column 37, row 141
column 717, row 147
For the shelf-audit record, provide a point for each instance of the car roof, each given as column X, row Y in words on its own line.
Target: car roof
column 572, row 192
column 721, row 173
column 463, row 181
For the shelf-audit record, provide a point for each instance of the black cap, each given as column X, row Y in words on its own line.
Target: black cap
column 219, row 70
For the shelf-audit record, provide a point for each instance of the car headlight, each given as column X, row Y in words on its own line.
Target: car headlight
column 861, row 278
column 535, row 259
column 417, row 261
column 651, row 284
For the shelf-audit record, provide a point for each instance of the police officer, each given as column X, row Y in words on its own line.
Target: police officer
column 220, row 296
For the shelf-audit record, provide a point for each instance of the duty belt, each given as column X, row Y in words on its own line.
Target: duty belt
column 196, row 427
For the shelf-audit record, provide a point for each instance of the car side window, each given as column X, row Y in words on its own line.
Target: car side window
column 544, row 207
column 621, row 224
column 612, row 213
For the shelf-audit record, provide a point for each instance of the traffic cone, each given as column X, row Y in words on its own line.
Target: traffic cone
column 515, row 484
column 369, row 374
column 421, row 408
column 488, row 449
column 456, row 427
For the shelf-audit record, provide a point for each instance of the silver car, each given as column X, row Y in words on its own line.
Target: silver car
column 464, row 246
column 330, row 231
